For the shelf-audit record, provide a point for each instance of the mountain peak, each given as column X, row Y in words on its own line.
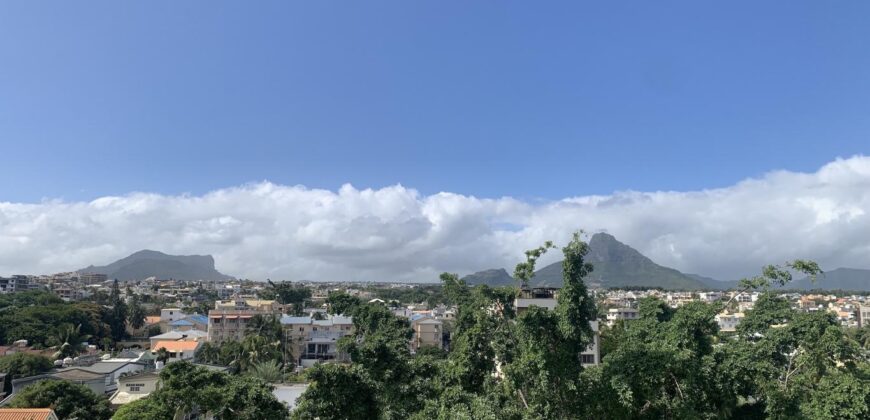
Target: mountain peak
column 615, row 264
column 149, row 263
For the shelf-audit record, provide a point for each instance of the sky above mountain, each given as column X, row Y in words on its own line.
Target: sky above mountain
column 393, row 140
column 271, row 230
column 513, row 98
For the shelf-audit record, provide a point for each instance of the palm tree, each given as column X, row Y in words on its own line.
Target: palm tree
column 70, row 340
column 208, row 353
column 269, row 371
column 162, row 355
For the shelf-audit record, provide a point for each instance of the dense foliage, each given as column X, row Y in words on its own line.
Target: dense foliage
column 671, row 363
column 20, row 365
column 287, row 293
column 261, row 348
column 46, row 321
column 69, row 400
column 186, row 388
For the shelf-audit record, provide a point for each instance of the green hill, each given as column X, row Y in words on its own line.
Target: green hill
column 838, row 279
column 615, row 265
column 495, row 277
column 146, row 263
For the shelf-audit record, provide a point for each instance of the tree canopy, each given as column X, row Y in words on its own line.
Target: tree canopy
column 69, row 400
column 670, row 363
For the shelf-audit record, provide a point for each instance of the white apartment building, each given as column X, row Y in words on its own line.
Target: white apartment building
column 621, row 314
column 312, row 341
column 728, row 322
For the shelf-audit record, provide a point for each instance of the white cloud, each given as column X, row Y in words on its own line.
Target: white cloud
column 282, row 232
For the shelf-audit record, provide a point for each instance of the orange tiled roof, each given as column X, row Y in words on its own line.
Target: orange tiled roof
column 175, row 345
column 149, row 320
column 27, row 414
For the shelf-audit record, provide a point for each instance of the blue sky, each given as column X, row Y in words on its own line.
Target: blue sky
column 490, row 99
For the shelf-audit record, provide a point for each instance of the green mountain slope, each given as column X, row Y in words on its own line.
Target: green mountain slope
column 615, row 265
column 840, row 278
column 146, row 263
column 495, row 277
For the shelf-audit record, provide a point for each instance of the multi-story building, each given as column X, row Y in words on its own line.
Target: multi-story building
column 17, row 283
column 315, row 340
column 547, row 298
column 249, row 304
column 862, row 314
column 728, row 322
column 623, row 314
column 229, row 325
column 540, row 297
column 92, row 278
column 428, row 332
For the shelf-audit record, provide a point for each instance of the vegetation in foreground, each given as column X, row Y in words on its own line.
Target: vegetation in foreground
column 672, row 363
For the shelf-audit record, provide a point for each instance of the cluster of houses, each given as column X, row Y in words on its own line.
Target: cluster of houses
column 851, row 311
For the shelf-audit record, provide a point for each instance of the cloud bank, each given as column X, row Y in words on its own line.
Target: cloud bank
column 264, row 230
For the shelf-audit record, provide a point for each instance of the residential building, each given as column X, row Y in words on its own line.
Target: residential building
column 27, row 414
column 428, row 331
column 621, row 314
column 135, row 387
column 592, row 355
column 108, row 371
column 728, row 322
column 178, row 350
column 862, row 314
column 228, row 325
column 93, row 278
column 312, row 340
column 191, row 335
column 710, row 296
column 541, row 297
column 17, row 283
column 239, row 304
column 169, row 315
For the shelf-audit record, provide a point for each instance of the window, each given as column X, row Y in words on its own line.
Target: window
column 134, row 389
column 587, row 359
column 312, row 348
column 301, row 328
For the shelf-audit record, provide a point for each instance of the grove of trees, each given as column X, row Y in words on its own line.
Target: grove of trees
column 186, row 388
column 671, row 363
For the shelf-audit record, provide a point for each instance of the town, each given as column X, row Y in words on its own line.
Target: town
column 276, row 331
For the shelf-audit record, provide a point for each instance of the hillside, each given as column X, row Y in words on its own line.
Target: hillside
column 615, row 265
column 494, row 277
column 146, row 263
column 714, row 284
column 840, row 278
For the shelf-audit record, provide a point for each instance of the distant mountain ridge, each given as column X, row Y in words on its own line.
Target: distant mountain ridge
column 837, row 279
column 615, row 265
column 146, row 263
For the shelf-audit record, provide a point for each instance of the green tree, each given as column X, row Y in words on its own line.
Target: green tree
column 145, row 409
column 69, row 400
column 339, row 303
column 117, row 317
column 20, row 365
column 286, row 293
column 187, row 388
column 136, row 315
column 269, row 371
column 70, row 341
column 338, row 392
